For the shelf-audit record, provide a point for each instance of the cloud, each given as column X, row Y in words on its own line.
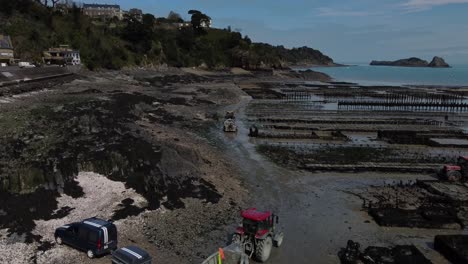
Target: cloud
column 330, row 12
column 420, row 5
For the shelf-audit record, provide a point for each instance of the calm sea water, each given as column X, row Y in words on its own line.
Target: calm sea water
column 378, row 75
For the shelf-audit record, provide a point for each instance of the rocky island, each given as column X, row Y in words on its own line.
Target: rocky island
column 437, row 62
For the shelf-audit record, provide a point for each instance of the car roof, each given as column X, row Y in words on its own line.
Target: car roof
column 96, row 222
column 254, row 215
column 131, row 255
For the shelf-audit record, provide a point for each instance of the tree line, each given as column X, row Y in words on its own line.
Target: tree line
column 34, row 26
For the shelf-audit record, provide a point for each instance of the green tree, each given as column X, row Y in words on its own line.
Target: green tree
column 199, row 19
column 148, row 21
column 174, row 17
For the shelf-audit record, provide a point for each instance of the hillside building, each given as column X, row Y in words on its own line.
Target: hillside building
column 205, row 23
column 136, row 13
column 6, row 50
column 102, row 11
column 62, row 55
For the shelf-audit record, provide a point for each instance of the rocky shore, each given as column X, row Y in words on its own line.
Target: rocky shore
column 131, row 128
column 133, row 146
column 145, row 148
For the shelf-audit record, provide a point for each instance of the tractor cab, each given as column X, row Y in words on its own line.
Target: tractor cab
column 258, row 223
column 258, row 233
column 229, row 115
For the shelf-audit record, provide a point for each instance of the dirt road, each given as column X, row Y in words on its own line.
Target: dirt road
column 318, row 211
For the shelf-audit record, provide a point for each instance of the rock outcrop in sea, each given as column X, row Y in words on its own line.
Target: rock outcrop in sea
column 437, row 62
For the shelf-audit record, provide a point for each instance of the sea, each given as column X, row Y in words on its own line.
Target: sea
column 365, row 74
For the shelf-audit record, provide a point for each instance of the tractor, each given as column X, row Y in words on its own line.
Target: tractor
column 455, row 173
column 229, row 122
column 258, row 233
column 229, row 125
column 229, row 115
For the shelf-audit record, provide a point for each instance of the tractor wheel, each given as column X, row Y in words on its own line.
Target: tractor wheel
column 236, row 239
column 454, row 176
column 263, row 249
column 278, row 239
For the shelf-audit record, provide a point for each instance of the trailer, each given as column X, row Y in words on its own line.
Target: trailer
column 229, row 126
column 232, row 254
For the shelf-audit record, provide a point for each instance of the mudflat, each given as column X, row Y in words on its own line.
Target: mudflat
column 145, row 148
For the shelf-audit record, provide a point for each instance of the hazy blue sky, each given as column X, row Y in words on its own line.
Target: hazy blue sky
column 346, row 30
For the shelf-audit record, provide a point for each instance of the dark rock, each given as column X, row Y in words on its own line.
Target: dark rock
column 410, row 62
column 310, row 75
column 93, row 136
column 453, row 247
column 18, row 217
column 402, row 254
column 438, row 62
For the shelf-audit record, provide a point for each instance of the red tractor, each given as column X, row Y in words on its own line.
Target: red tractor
column 455, row 173
column 258, row 232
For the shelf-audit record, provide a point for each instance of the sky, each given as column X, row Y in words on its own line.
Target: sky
column 349, row 31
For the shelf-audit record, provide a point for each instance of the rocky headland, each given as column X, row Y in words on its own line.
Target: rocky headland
column 437, row 62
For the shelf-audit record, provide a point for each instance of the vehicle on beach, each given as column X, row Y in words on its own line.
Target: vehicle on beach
column 94, row 236
column 131, row 255
column 258, row 233
column 230, row 125
column 455, row 173
column 229, row 115
column 253, row 131
column 229, row 122
column 25, row 64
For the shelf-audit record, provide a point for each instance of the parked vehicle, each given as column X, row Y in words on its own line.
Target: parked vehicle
column 131, row 255
column 94, row 236
column 25, row 64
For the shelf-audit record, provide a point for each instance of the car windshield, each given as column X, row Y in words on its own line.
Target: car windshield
column 250, row 226
column 73, row 228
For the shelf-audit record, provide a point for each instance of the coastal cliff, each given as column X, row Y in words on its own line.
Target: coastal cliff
column 150, row 41
column 437, row 62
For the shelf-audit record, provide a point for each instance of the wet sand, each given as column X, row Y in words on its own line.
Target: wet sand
column 318, row 211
